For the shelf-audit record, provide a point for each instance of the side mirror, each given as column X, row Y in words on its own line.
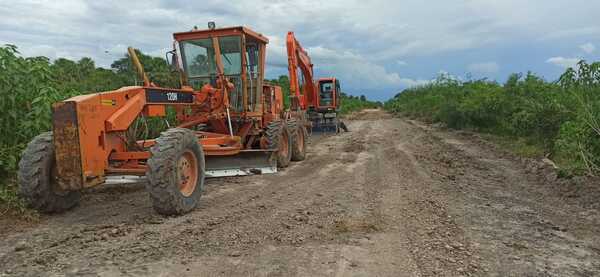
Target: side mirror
column 171, row 58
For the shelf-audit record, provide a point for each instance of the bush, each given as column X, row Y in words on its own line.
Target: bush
column 561, row 118
column 351, row 104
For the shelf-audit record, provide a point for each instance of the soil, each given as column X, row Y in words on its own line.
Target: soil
column 393, row 197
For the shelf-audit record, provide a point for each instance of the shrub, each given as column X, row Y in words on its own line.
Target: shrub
column 561, row 118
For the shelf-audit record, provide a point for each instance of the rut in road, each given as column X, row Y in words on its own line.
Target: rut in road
column 391, row 198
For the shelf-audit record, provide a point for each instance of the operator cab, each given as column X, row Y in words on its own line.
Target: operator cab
column 329, row 94
column 241, row 52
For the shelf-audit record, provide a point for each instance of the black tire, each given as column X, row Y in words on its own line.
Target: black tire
column 299, row 136
column 37, row 181
column 276, row 133
column 165, row 173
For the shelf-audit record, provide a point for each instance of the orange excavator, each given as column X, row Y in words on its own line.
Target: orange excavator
column 324, row 114
column 320, row 98
column 229, row 121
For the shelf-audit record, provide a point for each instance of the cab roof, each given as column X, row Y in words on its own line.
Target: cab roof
column 197, row 34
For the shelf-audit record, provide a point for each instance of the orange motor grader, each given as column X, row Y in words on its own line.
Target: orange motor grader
column 229, row 122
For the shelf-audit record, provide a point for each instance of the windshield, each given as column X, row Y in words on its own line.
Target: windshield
column 199, row 56
column 231, row 54
column 326, row 96
column 200, row 64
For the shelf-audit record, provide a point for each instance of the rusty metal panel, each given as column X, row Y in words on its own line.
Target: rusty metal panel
column 67, row 146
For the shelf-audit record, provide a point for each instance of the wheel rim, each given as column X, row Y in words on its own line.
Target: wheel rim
column 188, row 173
column 284, row 145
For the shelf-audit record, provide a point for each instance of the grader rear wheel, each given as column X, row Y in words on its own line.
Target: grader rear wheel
column 38, row 183
column 176, row 172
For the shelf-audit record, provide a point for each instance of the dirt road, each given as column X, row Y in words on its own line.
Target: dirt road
column 390, row 198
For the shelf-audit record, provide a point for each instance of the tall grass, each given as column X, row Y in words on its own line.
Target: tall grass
column 561, row 119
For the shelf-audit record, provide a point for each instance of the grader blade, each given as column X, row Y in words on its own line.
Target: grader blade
column 247, row 162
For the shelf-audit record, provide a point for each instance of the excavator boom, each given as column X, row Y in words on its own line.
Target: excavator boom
column 302, row 96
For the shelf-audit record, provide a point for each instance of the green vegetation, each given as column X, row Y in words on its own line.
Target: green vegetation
column 352, row 103
column 531, row 116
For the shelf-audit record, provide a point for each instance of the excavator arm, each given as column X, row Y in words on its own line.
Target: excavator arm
column 298, row 58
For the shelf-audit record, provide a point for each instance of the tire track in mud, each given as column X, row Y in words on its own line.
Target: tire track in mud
column 436, row 243
column 509, row 224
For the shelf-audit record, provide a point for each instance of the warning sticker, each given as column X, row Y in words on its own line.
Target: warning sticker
column 108, row 102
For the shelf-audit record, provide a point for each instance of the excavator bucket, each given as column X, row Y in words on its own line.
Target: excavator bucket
column 247, row 162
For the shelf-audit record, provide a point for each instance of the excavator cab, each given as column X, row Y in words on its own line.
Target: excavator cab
column 324, row 114
column 329, row 95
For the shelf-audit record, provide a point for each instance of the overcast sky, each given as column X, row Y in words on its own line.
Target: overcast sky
column 376, row 48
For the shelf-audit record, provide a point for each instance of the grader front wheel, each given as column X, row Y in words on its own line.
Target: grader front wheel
column 176, row 172
column 38, row 181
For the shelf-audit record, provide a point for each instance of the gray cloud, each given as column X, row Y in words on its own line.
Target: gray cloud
column 361, row 42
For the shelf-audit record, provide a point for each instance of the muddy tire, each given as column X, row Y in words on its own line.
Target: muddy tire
column 280, row 139
column 176, row 172
column 299, row 136
column 37, row 178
